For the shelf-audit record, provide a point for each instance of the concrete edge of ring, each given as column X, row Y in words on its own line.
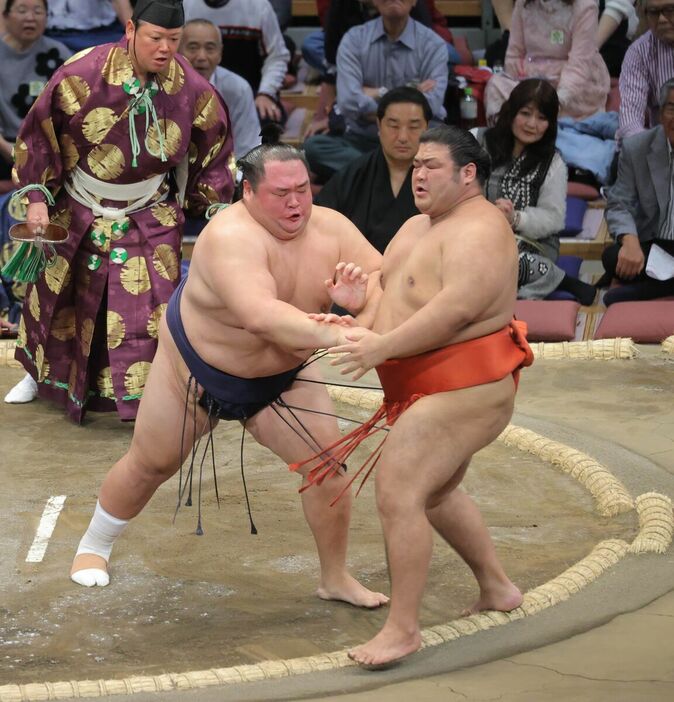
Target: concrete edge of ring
column 656, row 527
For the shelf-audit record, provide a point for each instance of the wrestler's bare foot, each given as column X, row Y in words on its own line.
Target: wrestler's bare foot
column 88, row 569
column 387, row 648
column 348, row 589
column 502, row 598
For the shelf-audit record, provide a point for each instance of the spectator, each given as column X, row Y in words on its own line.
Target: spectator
column 337, row 17
column 555, row 40
column 27, row 61
column 252, row 46
column 94, row 149
column 201, row 45
column 648, row 63
column 80, row 24
column 384, row 53
column 375, row 190
column 528, row 184
column 640, row 212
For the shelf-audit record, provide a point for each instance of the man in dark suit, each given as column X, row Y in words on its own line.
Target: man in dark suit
column 640, row 212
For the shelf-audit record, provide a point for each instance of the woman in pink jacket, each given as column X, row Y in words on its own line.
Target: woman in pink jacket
column 555, row 40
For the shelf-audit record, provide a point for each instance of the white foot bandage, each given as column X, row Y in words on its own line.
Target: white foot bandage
column 98, row 539
column 24, row 391
column 90, row 577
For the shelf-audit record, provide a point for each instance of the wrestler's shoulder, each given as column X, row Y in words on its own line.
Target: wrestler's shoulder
column 326, row 222
column 231, row 226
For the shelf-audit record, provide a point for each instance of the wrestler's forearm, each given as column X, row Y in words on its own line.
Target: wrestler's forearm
column 285, row 326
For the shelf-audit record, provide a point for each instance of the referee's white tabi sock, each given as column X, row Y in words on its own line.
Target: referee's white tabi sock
column 24, row 391
column 98, row 539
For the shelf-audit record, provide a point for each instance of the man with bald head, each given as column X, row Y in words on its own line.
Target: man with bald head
column 201, row 45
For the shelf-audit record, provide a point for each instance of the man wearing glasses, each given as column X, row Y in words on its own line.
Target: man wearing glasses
column 648, row 64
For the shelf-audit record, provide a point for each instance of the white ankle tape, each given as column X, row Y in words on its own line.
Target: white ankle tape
column 103, row 530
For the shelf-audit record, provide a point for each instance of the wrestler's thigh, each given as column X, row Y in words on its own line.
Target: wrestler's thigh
column 315, row 431
column 432, row 442
column 157, row 433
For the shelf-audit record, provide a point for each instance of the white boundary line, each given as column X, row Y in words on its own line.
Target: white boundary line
column 45, row 528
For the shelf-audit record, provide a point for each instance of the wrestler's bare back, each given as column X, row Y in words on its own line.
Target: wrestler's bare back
column 427, row 256
column 235, row 258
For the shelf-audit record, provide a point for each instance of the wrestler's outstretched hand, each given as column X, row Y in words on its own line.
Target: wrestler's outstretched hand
column 344, row 320
column 348, row 289
column 363, row 350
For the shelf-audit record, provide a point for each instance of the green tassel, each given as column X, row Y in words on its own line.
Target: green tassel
column 213, row 209
column 26, row 264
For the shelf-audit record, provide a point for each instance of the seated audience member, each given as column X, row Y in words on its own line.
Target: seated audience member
column 618, row 22
column 27, row 61
column 375, row 190
column 555, row 40
column 640, row 213
column 337, row 17
column 648, row 63
column 201, row 45
column 86, row 23
column 528, row 184
column 252, row 46
column 383, row 53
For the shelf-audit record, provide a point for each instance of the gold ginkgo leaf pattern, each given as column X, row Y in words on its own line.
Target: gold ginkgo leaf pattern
column 18, row 208
column 63, row 326
column 104, row 384
column 116, row 329
column 118, row 67
column 213, row 152
column 173, row 137
column 86, row 335
column 174, row 79
column 165, row 262
column 48, row 175
column 97, row 124
column 106, row 161
column 134, row 276
column 69, row 153
column 165, row 214
column 20, row 153
column 78, row 55
column 193, row 153
column 34, row 304
column 57, row 276
column 72, row 377
column 208, row 192
column 71, row 94
column 135, row 377
column 205, row 111
column 41, row 365
column 47, row 127
column 21, row 338
column 63, row 217
column 155, row 317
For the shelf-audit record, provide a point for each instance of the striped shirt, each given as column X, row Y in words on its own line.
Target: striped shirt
column 648, row 63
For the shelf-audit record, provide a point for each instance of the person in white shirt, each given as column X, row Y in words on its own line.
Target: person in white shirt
column 201, row 45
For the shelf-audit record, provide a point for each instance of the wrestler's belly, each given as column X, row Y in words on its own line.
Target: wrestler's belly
column 238, row 352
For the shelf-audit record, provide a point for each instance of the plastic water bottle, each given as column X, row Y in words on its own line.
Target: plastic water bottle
column 468, row 109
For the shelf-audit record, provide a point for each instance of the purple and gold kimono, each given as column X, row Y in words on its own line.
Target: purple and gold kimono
column 88, row 333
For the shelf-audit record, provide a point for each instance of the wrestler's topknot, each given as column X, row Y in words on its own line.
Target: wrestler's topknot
column 252, row 164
